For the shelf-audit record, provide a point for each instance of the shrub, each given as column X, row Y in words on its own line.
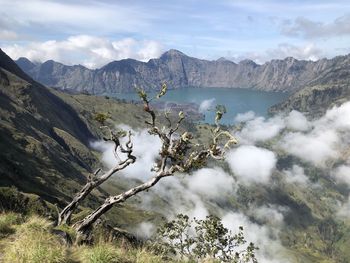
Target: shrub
column 7, row 222
column 35, row 244
column 207, row 239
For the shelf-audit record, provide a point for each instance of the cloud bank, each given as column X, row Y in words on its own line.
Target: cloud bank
column 90, row 51
column 253, row 164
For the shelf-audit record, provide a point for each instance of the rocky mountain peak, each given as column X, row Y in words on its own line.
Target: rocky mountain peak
column 172, row 53
column 248, row 62
column 25, row 63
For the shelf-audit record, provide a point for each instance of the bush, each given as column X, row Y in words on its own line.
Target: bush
column 207, row 239
column 13, row 200
column 7, row 222
column 34, row 243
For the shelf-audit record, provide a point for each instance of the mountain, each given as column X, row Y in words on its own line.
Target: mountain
column 45, row 147
column 330, row 87
column 44, row 141
column 180, row 70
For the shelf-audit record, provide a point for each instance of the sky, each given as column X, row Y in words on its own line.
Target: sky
column 93, row 33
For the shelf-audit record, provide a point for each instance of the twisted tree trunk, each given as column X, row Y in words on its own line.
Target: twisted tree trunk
column 65, row 215
column 84, row 227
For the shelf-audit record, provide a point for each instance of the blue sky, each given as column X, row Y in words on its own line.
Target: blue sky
column 93, row 33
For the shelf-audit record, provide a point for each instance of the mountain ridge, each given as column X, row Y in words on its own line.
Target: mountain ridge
column 180, row 70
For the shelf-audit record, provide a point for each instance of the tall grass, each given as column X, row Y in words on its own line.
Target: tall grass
column 100, row 253
column 8, row 222
column 33, row 243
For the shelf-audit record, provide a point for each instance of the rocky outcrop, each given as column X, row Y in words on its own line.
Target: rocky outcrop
column 330, row 87
column 180, row 70
column 315, row 100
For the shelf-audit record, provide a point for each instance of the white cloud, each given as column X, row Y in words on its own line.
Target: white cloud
column 211, row 182
column 336, row 118
column 305, row 51
column 79, row 16
column 325, row 141
column 87, row 50
column 203, row 192
column 270, row 248
column 244, row 117
column 260, row 129
column 252, row 164
column 145, row 148
column 316, row 147
column 296, row 175
column 206, row 105
column 269, row 214
column 304, row 27
column 175, row 191
column 297, row 121
column 342, row 174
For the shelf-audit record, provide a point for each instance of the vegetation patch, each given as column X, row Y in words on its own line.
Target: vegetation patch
column 34, row 243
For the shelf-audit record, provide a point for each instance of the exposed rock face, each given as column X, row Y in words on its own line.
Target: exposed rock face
column 179, row 70
column 330, row 87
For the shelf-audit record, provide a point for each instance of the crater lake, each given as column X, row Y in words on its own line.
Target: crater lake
column 236, row 100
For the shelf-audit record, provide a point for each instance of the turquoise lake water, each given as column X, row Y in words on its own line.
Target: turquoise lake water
column 235, row 100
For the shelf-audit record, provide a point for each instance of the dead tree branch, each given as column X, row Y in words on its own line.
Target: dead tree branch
column 94, row 180
column 177, row 154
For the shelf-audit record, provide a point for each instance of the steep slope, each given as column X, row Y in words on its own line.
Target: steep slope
column 180, row 70
column 45, row 140
column 44, row 143
column 331, row 87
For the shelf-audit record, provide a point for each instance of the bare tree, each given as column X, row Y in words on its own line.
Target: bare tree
column 94, row 180
column 177, row 154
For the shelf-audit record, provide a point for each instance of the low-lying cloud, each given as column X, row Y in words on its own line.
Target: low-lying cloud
column 252, row 164
column 296, row 175
column 146, row 149
column 316, row 147
column 342, row 174
column 211, row 182
column 259, row 129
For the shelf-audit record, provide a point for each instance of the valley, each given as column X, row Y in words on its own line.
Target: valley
column 288, row 196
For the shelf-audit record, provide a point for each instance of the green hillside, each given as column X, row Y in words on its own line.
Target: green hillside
column 46, row 155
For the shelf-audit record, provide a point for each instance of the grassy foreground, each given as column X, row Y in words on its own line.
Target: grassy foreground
column 32, row 240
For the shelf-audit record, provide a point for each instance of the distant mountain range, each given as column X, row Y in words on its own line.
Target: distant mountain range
column 180, row 70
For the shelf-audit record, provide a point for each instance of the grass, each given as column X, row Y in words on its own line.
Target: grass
column 7, row 223
column 34, row 243
column 100, row 253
